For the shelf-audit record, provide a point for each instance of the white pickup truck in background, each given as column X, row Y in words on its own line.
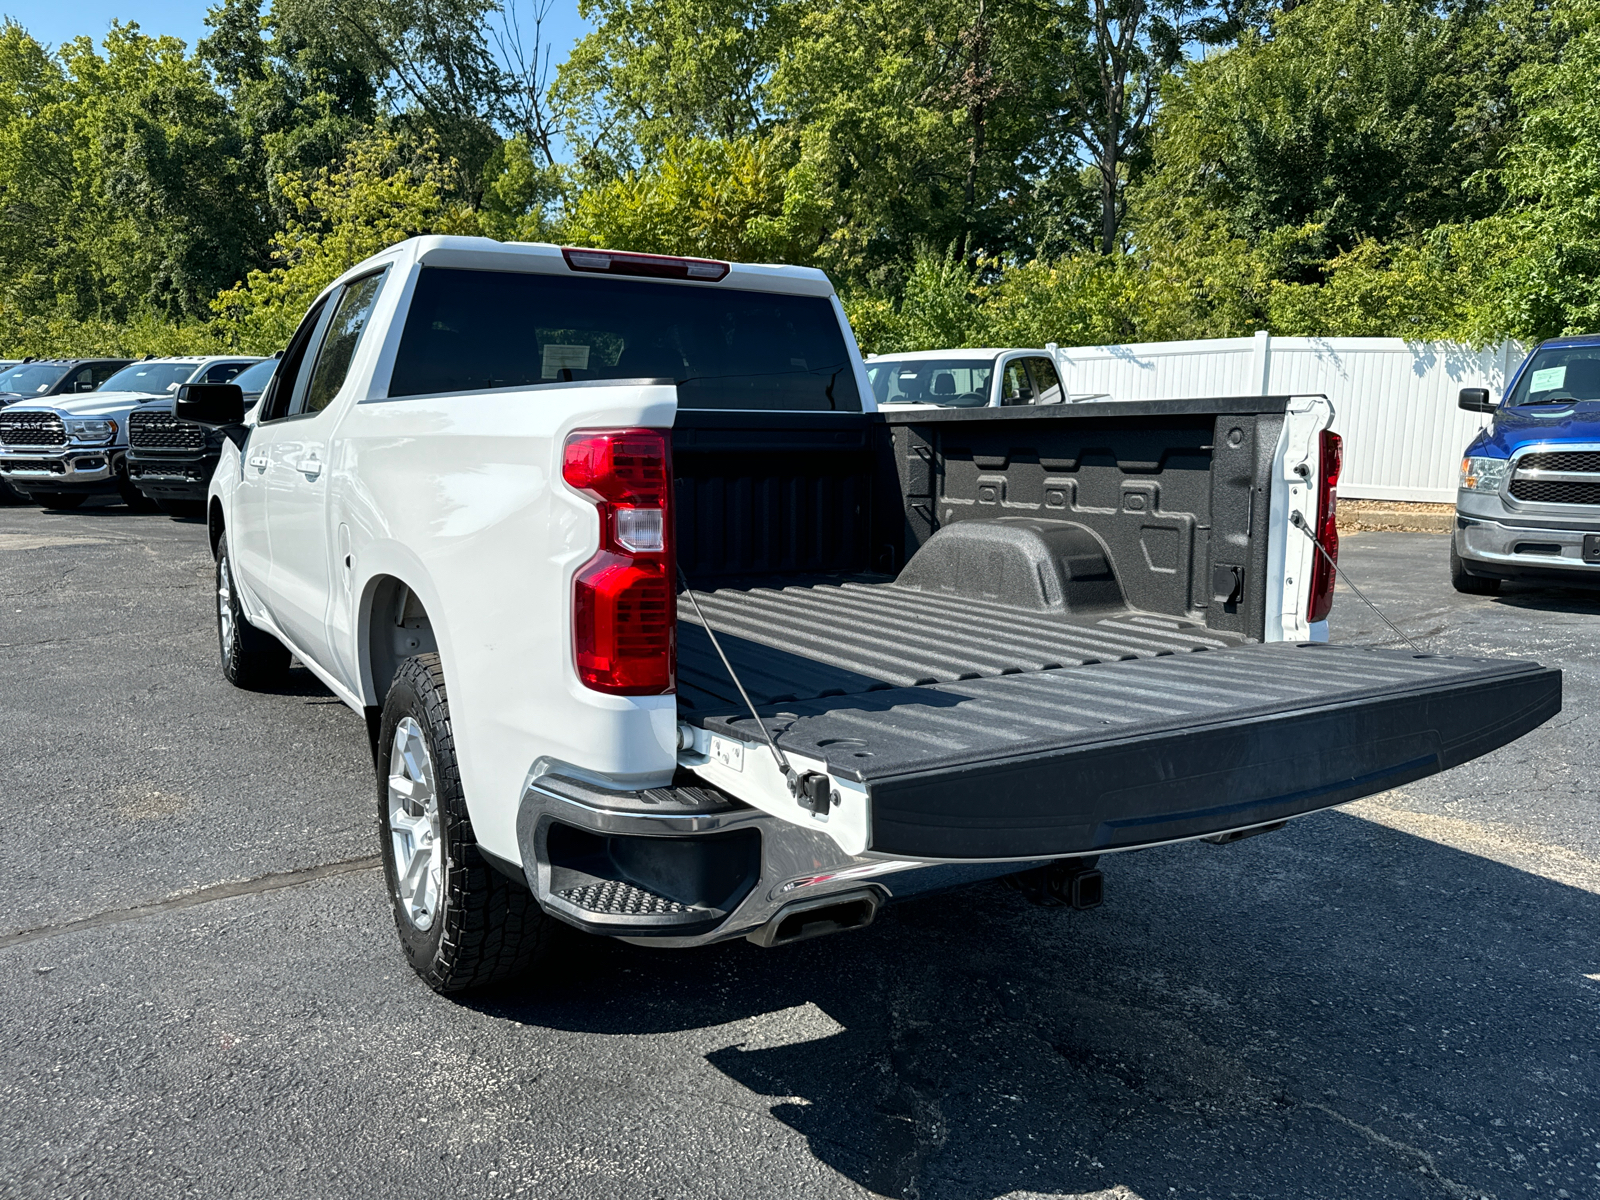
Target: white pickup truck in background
column 556, row 520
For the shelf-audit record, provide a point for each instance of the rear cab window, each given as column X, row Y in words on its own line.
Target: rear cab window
column 725, row 348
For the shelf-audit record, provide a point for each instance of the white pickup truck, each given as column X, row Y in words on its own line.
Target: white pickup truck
column 557, row 520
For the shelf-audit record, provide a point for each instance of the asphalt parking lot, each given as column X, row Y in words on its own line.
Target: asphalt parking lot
column 1397, row 999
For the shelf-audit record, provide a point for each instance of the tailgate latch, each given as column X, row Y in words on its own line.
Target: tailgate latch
column 814, row 791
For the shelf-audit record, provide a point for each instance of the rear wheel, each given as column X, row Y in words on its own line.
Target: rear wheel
column 250, row 658
column 60, row 500
column 1471, row 585
column 461, row 922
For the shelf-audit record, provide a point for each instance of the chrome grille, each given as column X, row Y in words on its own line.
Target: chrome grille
column 1543, row 491
column 160, row 430
column 1561, row 460
column 32, row 429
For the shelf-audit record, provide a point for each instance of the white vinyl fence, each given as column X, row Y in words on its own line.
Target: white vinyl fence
column 1394, row 401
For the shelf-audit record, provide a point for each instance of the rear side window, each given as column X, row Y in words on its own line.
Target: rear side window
column 339, row 343
column 725, row 348
column 222, row 372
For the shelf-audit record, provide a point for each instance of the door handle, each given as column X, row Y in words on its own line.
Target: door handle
column 311, row 467
column 259, row 462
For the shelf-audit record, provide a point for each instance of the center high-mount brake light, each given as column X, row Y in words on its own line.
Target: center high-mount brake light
column 1327, row 527
column 624, row 601
column 654, row 266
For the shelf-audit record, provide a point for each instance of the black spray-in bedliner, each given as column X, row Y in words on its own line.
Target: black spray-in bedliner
column 846, row 638
column 937, row 727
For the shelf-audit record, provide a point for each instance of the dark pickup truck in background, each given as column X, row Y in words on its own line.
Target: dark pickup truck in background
column 171, row 461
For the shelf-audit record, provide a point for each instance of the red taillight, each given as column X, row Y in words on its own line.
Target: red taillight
column 1327, row 528
column 624, row 603
column 653, row 266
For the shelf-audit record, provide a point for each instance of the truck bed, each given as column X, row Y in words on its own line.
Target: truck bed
column 1006, row 625
column 836, row 638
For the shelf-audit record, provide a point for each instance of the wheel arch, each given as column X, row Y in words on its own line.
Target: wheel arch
column 215, row 524
column 395, row 623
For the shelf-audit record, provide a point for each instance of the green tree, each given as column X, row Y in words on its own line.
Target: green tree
column 655, row 72
column 733, row 200
column 380, row 194
column 1368, row 118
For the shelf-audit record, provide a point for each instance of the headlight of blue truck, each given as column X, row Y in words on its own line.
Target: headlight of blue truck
column 84, row 429
column 1483, row 474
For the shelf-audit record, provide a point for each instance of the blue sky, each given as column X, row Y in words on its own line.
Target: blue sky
column 55, row 21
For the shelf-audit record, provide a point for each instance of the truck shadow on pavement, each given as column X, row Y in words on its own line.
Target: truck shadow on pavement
column 1583, row 601
column 1338, row 1010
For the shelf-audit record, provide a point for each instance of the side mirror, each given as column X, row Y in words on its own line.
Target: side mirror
column 1475, row 400
column 85, row 387
column 217, row 405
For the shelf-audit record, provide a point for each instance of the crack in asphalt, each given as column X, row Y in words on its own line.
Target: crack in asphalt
column 208, row 895
column 1426, row 1165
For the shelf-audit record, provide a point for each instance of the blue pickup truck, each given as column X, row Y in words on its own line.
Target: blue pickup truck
column 1528, row 504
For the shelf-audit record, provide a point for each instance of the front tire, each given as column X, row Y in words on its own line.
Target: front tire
column 1470, row 585
column 251, row 659
column 461, row 922
column 136, row 500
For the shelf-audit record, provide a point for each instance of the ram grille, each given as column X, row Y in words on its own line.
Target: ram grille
column 162, row 431
column 32, row 429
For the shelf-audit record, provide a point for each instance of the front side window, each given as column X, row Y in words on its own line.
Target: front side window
column 949, row 383
column 152, row 378
column 724, row 348
column 339, row 344
column 1559, row 376
column 275, row 401
column 253, row 379
column 1046, row 384
column 104, row 371
column 1016, row 389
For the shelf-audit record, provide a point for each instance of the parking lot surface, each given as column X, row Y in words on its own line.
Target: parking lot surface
column 1397, row 999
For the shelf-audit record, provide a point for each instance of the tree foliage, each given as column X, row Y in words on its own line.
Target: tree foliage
column 967, row 171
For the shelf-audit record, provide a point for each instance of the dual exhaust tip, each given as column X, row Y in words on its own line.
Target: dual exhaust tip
column 805, row 919
column 1056, row 885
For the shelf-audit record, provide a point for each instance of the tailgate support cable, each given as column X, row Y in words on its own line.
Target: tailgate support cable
column 794, row 780
column 1299, row 523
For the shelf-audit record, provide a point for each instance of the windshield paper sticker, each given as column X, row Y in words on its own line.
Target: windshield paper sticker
column 574, row 357
column 1543, row 381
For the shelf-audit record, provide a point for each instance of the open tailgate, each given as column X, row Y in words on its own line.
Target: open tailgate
column 1113, row 755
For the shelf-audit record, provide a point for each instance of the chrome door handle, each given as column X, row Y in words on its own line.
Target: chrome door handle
column 259, row 463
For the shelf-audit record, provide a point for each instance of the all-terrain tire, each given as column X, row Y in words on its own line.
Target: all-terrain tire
column 59, row 500
column 251, row 658
column 482, row 926
column 1471, row 585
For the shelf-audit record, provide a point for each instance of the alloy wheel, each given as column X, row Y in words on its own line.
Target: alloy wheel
column 414, row 825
